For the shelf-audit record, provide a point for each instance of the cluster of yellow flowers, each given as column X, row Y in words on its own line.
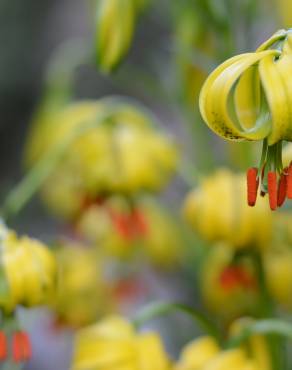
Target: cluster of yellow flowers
column 229, row 282
column 28, row 269
column 102, row 157
column 114, row 344
column 124, row 230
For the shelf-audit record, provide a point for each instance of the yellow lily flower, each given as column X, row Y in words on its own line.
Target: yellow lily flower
column 256, row 345
column 103, row 159
column 197, row 353
column 229, row 288
column 123, row 230
column 205, row 354
column 28, row 269
column 234, row 222
column 81, row 294
column 248, row 97
column 113, row 344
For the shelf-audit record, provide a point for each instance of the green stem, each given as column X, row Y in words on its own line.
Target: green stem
column 265, row 326
column 157, row 309
column 266, row 303
column 267, row 311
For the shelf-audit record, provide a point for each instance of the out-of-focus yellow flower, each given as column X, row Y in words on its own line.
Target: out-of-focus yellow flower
column 248, row 97
column 82, row 294
column 257, row 345
column 218, row 212
column 113, row 344
column 197, row 353
column 229, row 288
column 124, row 230
column 122, row 153
column 205, row 354
column 28, row 271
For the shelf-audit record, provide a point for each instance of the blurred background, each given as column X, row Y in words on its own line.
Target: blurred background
column 155, row 74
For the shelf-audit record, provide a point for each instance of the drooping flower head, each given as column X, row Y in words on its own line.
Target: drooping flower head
column 113, row 344
column 229, row 283
column 115, row 148
column 249, row 97
column 234, row 222
column 28, row 269
column 28, row 274
column 125, row 229
column 205, row 353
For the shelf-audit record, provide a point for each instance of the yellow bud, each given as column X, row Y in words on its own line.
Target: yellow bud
column 115, row 23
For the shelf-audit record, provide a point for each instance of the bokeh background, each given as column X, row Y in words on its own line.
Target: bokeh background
column 30, row 32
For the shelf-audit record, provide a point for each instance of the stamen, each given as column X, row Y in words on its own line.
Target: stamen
column 272, row 190
column 122, row 224
column 236, row 276
column 252, row 186
column 16, row 347
column 289, row 182
column 282, row 188
column 26, row 346
column 3, row 346
column 140, row 223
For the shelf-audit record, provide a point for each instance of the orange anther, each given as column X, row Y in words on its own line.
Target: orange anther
column 289, row 182
column 3, row 346
column 282, row 188
column 272, row 190
column 252, row 186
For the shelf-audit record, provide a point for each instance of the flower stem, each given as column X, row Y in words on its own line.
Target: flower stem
column 157, row 309
column 265, row 326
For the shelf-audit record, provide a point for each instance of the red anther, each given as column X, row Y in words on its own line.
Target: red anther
column 26, row 346
column 282, row 188
column 3, row 346
column 122, row 224
column 236, row 276
column 272, row 190
column 140, row 223
column 128, row 290
column 252, row 186
column 16, row 347
column 228, row 278
column 289, row 182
